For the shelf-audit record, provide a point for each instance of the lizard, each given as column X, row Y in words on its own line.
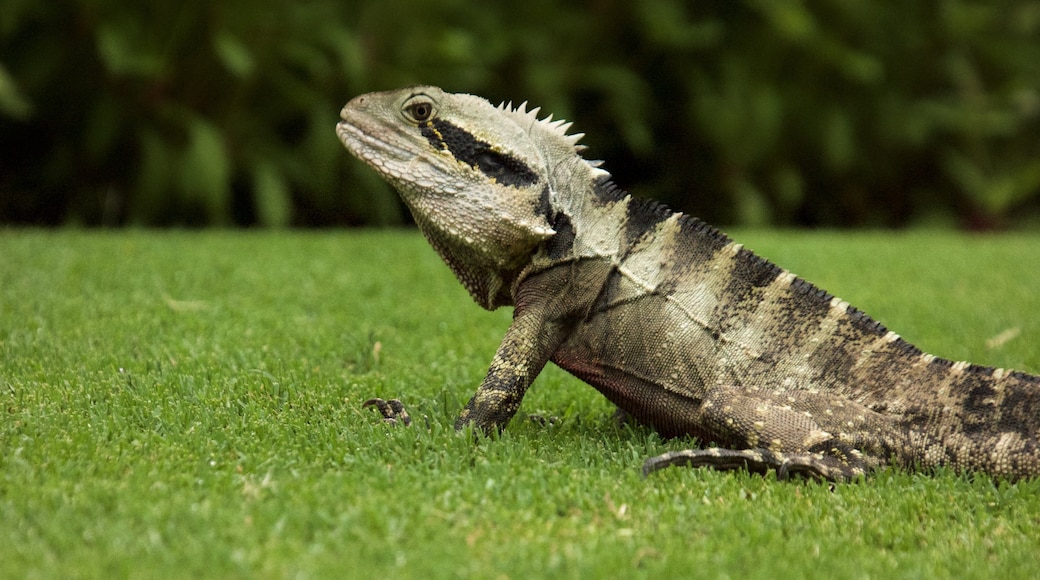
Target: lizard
column 682, row 328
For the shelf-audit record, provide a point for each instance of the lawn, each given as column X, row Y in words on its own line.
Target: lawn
column 188, row 404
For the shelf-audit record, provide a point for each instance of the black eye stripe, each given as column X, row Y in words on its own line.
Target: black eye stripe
column 505, row 169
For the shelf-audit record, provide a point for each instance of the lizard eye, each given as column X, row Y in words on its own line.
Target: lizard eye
column 419, row 109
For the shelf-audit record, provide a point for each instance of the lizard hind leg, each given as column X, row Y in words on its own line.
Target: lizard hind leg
column 830, row 461
column 761, row 431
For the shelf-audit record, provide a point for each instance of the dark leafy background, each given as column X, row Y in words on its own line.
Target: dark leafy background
column 829, row 113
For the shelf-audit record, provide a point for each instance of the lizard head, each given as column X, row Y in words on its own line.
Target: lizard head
column 477, row 178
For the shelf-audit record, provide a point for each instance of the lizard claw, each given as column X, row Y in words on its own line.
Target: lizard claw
column 393, row 411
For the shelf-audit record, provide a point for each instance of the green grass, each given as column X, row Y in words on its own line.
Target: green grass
column 185, row 404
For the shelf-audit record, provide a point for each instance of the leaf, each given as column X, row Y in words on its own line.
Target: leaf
column 995, row 190
column 273, row 201
column 205, row 168
column 153, row 176
column 123, row 51
column 12, row 102
column 752, row 206
column 234, row 55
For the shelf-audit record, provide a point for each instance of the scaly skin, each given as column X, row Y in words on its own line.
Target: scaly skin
column 682, row 328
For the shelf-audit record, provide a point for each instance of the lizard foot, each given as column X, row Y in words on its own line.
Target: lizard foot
column 393, row 411
column 810, row 465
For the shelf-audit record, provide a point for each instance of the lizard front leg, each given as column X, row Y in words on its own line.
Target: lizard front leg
column 548, row 305
column 524, row 350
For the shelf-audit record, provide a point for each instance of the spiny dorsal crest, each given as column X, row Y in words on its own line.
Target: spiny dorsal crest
column 530, row 121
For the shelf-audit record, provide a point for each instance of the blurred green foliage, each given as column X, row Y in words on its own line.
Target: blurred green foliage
column 834, row 112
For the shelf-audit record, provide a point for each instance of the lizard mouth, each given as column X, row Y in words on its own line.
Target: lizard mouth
column 367, row 147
